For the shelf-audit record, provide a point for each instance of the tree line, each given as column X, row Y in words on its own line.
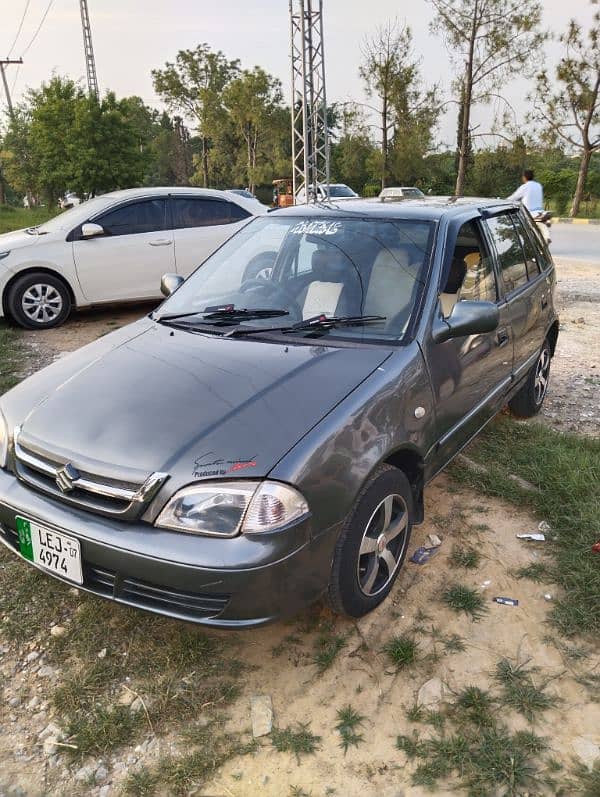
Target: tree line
column 59, row 138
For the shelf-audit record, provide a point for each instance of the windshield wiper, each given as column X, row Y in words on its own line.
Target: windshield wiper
column 317, row 323
column 226, row 313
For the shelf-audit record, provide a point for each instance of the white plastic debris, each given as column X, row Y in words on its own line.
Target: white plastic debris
column 532, row 536
column 433, row 540
column 486, row 584
column 544, row 527
column 547, row 596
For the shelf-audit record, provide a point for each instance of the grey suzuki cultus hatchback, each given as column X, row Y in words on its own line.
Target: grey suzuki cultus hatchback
column 264, row 437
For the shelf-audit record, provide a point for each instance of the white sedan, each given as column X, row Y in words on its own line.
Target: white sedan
column 114, row 248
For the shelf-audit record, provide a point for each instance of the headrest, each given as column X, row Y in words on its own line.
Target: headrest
column 331, row 265
column 456, row 276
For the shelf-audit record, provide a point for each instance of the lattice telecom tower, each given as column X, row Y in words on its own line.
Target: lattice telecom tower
column 310, row 139
column 90, row 63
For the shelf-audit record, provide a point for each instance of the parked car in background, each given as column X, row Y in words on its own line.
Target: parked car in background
column 258, row 442
column 114, row 248
column 245, row 193
column 337, row 191
column 401, row 192
column 69, row 200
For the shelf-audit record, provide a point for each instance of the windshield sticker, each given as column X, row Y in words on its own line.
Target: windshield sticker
column 207, row 465
column 316, row 228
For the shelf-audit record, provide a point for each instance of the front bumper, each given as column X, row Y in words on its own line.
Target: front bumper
column 238, row 582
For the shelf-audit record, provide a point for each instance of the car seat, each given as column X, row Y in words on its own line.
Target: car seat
column 451, row 293
column 335, row 288
column 391, row 286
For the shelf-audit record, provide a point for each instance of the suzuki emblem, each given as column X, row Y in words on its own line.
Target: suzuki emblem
column 66, row 477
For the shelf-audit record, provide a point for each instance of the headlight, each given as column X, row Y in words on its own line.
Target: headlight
column 3, row 441
column 223, row 509
column 4, row 254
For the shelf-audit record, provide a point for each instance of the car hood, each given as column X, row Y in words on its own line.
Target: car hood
column 193, row 406
column 17, row 239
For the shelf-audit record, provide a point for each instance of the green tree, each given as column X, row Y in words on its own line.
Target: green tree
column 251, row 101
column 407, row 114
column 354, row 156
column 490, row 40
column 193, row 86
column 571, row 114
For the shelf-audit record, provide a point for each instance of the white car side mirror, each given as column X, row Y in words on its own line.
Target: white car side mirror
column 91, row 230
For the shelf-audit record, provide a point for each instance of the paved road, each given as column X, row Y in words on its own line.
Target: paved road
column 576, row 242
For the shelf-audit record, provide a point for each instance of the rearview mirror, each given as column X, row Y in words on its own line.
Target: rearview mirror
column 467, row 318
column 169, row 283
column 91, row 230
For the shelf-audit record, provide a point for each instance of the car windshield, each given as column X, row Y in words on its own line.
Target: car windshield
column 69, row 218
column 312, row 267
column 341, row 191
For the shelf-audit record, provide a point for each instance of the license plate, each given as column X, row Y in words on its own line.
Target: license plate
column 56, row 552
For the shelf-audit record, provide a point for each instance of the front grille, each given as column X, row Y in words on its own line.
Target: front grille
column 81, row 488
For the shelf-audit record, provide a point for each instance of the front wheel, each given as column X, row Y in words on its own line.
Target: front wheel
column 39, row 301
column 373, row 544
column 528, row 401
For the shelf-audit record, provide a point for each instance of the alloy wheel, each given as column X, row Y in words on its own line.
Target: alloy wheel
column 382, row 546
column 41, row 303
column 542, row 373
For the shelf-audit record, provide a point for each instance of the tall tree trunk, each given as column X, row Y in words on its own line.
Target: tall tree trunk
column 584, row 167
column 466, row 98
column 205, row 161
column 384, row 142
column 2, row 192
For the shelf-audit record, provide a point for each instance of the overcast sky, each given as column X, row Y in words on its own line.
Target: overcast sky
column 131, row 37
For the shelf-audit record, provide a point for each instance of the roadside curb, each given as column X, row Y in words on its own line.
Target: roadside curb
column 575, row 221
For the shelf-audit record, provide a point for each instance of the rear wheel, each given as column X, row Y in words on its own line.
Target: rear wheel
column 373, row 544
column 39, row 301
column 528, row 401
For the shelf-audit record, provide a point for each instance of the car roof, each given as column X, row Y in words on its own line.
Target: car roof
column 429, row 207
column 250, row 205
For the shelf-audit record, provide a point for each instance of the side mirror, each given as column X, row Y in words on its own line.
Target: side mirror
column 91, row 230
column 467, row 318
column 169, row 283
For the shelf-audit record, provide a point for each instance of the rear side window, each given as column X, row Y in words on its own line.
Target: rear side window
column 510, row 252
column 191, row 212
column 531, row 258
column 540, row 247
column 471, row 275
column 135, row 218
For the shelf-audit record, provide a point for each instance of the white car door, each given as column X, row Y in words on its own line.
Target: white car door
column 201, row 225
column 128, row 261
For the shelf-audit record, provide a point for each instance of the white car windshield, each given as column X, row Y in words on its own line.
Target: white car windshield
column 69, row 218
column 280, row 272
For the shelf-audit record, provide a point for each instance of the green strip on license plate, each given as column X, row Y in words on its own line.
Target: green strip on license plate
column 24, row 532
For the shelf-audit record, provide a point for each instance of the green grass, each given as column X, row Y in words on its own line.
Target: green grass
column 101, row 730
column 466, row 557
column 519, row 691
column 327, row 648
column 566, row 470
column 300, row 741
column 13, row 357
column 348, row 722
column 402, row 651
column 586, row 782
column 12, row 218
column 464, row 599
column 476, row 705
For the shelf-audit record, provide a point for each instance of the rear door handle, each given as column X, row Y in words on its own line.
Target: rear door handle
column 502, row 337
column 161, row 242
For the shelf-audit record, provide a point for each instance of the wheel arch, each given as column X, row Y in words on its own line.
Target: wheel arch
column 552, row 336
column 35, row 270
column 412, row 464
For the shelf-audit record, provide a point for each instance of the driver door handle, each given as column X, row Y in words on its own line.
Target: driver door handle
column 502, row 337
column 161, row 242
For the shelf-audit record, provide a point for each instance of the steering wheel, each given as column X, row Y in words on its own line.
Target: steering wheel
column 274, row 289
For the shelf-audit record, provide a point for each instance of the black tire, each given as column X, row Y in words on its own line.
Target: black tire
column 349, row 592
column 39, row 301
column 528, row 401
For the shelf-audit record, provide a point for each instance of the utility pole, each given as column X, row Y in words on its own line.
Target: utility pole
column 90, row 62
column 310, row 135
column 4, row 62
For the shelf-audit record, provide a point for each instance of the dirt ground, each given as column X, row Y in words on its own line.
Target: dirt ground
column 281, row 656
